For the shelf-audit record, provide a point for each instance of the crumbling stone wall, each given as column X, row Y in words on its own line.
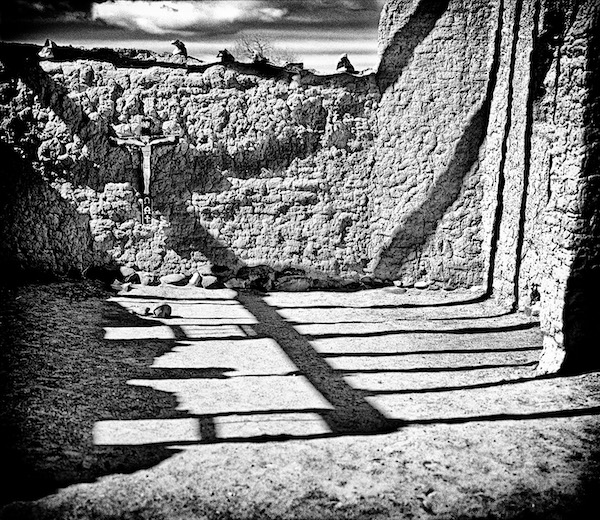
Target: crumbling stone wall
column 40, row 232
column 267, row 170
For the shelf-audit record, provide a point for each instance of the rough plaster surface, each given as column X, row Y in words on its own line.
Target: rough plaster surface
column 570, row 222
column 266, row 171
column 469, row 157
column 434, row 72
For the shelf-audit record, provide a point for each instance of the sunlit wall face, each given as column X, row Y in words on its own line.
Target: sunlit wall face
column 315, row 32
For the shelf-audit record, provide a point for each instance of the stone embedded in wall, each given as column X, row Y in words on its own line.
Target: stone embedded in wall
column 210, row 282
column 174, row 279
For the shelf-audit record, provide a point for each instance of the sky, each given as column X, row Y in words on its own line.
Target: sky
column 315, row 32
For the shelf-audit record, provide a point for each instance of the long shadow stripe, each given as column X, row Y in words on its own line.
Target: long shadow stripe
column 352, row 413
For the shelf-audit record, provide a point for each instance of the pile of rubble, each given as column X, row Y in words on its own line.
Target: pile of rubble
column 261, row 278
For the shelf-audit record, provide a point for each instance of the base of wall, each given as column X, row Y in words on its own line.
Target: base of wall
column 552, row 358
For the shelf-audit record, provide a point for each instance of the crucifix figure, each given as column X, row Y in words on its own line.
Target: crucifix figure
column 145, row 143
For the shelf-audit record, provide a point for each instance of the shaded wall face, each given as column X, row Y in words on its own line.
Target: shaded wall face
column 571, row 234
column 266, row 170
column 435, row 71
column 41, row 232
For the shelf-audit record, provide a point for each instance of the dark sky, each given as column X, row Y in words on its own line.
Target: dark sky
column 157, row 16
column 315, row 30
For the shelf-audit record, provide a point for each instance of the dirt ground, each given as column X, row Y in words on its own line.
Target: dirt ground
column 374, row 404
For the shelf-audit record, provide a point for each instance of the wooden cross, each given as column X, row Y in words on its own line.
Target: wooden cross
column 145, row 143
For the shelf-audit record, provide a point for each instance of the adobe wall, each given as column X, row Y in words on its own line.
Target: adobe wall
column 570, row 235
column 540, row 175
column 268, row 170
column 470, row 157
column 41, row 232
column 532, row 158
column 339, row 175
column 436, row 64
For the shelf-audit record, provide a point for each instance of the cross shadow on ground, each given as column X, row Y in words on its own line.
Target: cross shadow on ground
column 97, row 389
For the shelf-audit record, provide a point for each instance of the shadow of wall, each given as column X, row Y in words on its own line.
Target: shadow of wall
column 400, row 48
column 41, row 232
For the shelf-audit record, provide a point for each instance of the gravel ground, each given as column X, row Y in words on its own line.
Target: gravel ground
column 373, row 404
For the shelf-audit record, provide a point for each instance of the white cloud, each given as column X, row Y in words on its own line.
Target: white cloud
column 157, row 17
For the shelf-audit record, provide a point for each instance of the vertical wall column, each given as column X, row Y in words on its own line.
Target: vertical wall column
column 511, row 162
column 571, row 283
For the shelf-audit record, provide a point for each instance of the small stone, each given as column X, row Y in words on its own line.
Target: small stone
column 408, row 282
column 195, row 280
column 422, row 284
column 259, row 277
column 133, row 278
column 126, row 272
column 398, row 283
column 366, row 280
column 235, row 283
column 147, row 278
column 210, row 282
column 173, row 279
column 325, row 283
column 161, row 311
column 221, row 271
column 349, row 285
column 116, row 285
column 293, row 284
column 205, row 270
